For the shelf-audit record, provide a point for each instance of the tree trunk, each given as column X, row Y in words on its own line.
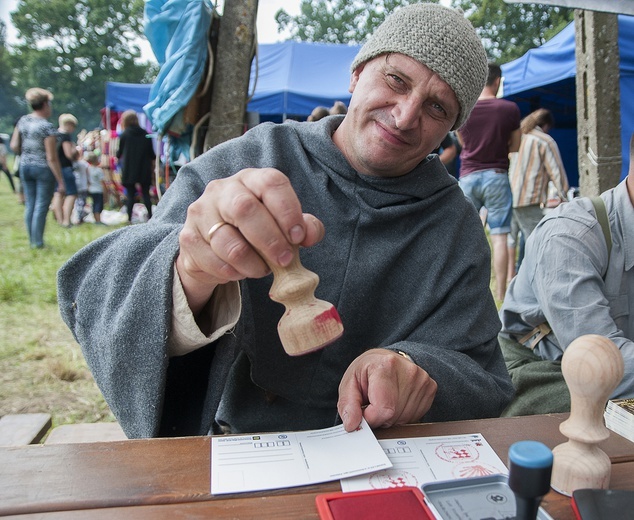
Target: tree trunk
column 236, row 40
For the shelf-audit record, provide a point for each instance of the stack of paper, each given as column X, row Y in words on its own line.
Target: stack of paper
column 257, row 462
column 619, row 417
column 278, row 460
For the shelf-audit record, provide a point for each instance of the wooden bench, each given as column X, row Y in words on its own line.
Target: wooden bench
column 22, row 429
column 87, row 432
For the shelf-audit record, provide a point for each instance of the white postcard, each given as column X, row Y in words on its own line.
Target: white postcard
column 419, row 460
column 257, row 462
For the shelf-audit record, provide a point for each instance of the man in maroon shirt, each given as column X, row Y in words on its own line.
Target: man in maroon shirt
column 489, row 135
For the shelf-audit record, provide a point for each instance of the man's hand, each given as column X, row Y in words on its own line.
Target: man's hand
column 385, row 388
column 265, row 220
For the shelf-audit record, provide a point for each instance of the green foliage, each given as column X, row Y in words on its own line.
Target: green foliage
column 73, row 47
column 509, row 30
column 9, row 93
column 337, row 21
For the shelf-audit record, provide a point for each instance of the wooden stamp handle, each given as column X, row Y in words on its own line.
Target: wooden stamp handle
column 308, row 323
column 592, row 366
column 293, row 284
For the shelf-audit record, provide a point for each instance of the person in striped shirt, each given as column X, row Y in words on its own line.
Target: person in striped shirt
column 537, row 163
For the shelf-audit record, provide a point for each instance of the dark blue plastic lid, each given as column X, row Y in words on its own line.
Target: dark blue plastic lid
column 531, row 454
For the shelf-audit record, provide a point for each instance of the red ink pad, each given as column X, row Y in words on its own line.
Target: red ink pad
column 377, row 504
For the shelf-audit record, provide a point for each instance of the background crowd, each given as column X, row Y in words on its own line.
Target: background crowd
column 68, row 173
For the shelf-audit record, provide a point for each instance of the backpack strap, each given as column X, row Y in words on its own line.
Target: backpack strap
column 602, row 217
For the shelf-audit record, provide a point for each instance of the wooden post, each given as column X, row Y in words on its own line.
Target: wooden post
column 232, row 69
column 598, row 101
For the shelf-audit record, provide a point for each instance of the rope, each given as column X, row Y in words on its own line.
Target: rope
column 157, row 166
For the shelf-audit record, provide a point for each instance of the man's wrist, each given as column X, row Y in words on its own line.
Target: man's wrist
column 197, row 293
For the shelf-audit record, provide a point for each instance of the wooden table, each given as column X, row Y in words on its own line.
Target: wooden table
column 170, row 478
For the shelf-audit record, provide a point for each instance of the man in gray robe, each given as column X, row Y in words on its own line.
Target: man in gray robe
column 174, row 316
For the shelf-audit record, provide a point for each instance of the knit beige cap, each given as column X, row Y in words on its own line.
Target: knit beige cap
column 440, row 38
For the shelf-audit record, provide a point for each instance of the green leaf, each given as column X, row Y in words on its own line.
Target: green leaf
column 72, row 48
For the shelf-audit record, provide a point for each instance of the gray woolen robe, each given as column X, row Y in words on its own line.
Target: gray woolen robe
column 405, row 261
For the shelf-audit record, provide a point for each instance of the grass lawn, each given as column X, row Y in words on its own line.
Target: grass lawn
column 41, row 366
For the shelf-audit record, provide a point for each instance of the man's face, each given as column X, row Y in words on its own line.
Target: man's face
column 399, row 112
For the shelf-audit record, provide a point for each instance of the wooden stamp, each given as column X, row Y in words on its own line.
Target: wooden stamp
column 593, row 367
column 308, row 323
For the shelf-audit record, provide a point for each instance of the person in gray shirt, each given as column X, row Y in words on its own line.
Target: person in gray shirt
column 183, row 339
column 571, row 284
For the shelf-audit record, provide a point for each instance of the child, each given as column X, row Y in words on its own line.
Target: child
column 80, row 170
column 95, row 186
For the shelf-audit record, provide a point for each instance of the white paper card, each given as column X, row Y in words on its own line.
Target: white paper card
column 279, row 460
column 421, row 460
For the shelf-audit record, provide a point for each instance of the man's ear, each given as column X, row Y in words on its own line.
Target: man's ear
column 498, row 84
column 354, row 78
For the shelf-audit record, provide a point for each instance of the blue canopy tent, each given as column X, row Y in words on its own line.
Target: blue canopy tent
column 545, row 78
column 292, row 78
column 121, row 97
column 126, row 96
